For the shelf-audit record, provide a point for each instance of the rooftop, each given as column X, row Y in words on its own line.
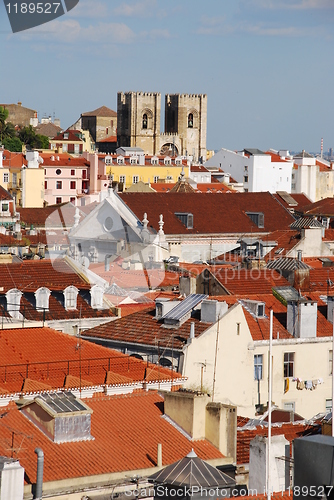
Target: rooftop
column 140, row 427
column 102, row 111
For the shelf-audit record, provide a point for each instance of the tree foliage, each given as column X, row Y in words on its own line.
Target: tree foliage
column 35, row 141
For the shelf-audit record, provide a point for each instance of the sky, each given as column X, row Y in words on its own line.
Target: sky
column 267, row 66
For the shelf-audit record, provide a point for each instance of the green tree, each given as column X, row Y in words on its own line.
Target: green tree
column 29, row 137
column 13, row 144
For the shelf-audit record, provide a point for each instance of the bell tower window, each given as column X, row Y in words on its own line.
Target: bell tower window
column 190, row 120
column 144, row 121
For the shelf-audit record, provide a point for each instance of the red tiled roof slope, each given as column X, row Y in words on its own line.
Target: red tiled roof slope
column 130, row 426
column 212, row 214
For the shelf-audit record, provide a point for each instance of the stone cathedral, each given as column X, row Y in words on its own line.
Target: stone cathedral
column 138, row 123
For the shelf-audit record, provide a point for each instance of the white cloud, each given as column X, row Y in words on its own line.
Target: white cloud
column 291, row 4
column 143, row 8
column 89, row 9
column 70, row 30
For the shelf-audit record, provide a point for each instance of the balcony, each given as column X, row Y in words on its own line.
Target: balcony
column 15, row 186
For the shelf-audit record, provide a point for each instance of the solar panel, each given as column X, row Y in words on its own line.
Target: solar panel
column 286, row 293
column 62, row 402
column 179, row 311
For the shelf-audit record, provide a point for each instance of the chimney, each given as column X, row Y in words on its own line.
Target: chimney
column 302, row 318
column 330, row 308
column 187, row 285
column 11, row 479
column 279, row 463
column 39, row 479
column 212, row 310
column 299, row 255
column 221, row 428
column 192, row 331
column 187, row 409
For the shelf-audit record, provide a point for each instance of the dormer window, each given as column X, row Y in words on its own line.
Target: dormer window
column 257, row 218
column 154, row 160
column 167, row 160
column 70, row 298
column 186, row 219
column 120, row 160
column 190, row 120
column 13, row 298
column 66, row 136
column 96, row 297
column 42, row 296
column 108, row 160
column 178, row 161
column 145, row 121
column 134, row 160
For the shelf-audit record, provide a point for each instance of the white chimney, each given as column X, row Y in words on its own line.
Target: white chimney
column 11, row 479
column 278, row 460
column 302, row 318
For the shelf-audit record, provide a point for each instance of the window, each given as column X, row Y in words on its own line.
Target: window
column 6, row 177
column 190, row 120
column 258, row 366
column 246, row 168
column 135, row 179
column 107, row 131
column 145, row 121
column 45, row 184
column 59, row 185
column 4, row 207
column 155, row 178
column 328, row 405
column 293, row 185
column 72, row 199
column 14, row 179
column 292, row 176
column 72, row 172
column 66, row 136
column 76, row 148
column 289, row 360
column 257, row 218
column 84, row 174
column 58, row 171
column 122, row 178
column 42, row 299
column 245, row 178
column 134, row 160
column 73, row 185
column 120, row 160
column 70, row 296
column 186, row 219
column 65, row 148
column 330, row 362
column 58, row 200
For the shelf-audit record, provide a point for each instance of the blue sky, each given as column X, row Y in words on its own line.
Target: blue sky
column 267, row 66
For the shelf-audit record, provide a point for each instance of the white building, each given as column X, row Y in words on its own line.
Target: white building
column 257, row 170
column 312, row 176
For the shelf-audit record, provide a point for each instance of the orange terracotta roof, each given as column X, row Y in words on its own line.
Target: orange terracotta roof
column 290, row 431
column 131, row 426
column 13, row 160
column 323, row 207
column 40, row 359
column 232, row 211
column 111, row 138
column 65, row 160
column 130, row 279
column 56, row 216
column 142, row 328
column 243, row 281
column 286, row 240
column 72, row 136
column 103, row 111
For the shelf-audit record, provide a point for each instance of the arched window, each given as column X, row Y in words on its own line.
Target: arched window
column 145, row 121
column 190, row 120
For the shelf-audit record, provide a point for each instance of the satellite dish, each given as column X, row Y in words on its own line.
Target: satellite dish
column 84, row 261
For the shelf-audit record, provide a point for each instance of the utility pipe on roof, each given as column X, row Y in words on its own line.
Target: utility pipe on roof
column 159, row 458
column 39, row 479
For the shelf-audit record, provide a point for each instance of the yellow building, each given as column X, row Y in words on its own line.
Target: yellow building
column 22, row 176
column 130, row 169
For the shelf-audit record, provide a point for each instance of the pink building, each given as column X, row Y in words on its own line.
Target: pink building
column 66, row 178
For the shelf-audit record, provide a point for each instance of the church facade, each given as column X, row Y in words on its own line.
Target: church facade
column 139, row 119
